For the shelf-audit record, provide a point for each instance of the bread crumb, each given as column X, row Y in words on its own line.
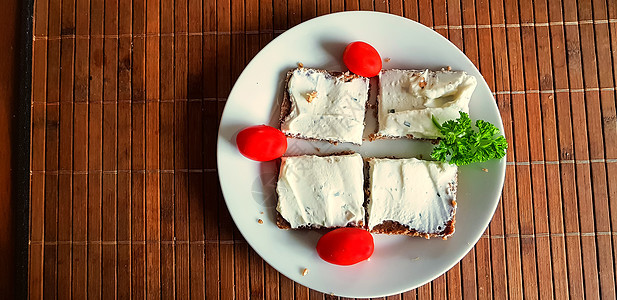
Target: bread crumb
column 260, row 221
column 387, row 59
column 304, row 272
column 348, row 76
column 311, row 96
column 301, row 65
column 453, row 203
column 261, row 212
column 416, row 258
column 485, row 170
column 422, row 84
column 448, row 68
column 550, row 97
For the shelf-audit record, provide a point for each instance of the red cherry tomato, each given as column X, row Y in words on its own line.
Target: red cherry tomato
column 362, row 59
column 261, row 142
column 346, row 246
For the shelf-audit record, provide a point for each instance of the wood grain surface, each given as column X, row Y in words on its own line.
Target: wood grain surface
column 126, row 101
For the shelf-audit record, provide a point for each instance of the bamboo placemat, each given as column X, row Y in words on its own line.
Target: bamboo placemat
column 126, row 100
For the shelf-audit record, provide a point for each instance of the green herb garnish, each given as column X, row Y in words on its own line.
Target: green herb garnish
column 462, row 145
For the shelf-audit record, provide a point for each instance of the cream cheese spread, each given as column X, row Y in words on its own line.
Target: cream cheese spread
column 318, row 191
column 418, row 194
column 408, row 99
column 326, row 107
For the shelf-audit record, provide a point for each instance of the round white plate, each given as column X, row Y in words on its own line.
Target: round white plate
column 400, row 263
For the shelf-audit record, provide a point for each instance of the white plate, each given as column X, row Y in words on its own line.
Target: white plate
column 399, row 263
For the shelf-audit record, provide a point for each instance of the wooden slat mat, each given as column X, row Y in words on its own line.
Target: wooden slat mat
column 126, row 100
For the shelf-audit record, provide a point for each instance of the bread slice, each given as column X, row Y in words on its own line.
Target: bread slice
column 411, row 197
column 323, row 105
column 408, row 99
column 320, row 192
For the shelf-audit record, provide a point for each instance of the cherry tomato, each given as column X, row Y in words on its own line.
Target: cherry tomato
column 362, row 59
column 346, row 246
column 261, row 142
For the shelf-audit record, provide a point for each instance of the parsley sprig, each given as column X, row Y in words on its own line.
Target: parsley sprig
column 462, row 145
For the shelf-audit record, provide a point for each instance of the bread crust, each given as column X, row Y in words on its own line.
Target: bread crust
column 396, row 228
column 284, row 224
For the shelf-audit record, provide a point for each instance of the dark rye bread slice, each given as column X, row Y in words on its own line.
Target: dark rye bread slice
column 392, row 227
column 396, row 228
column 376, row 135
column 282, row 223
column 286, row 104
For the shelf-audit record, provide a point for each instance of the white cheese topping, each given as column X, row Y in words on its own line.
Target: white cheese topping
column 321, row 191
column 325, row 107
column 416, row 193
column 408, row 99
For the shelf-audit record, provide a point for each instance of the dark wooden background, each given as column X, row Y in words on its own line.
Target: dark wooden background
column 126, row 100
column 15, row 63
